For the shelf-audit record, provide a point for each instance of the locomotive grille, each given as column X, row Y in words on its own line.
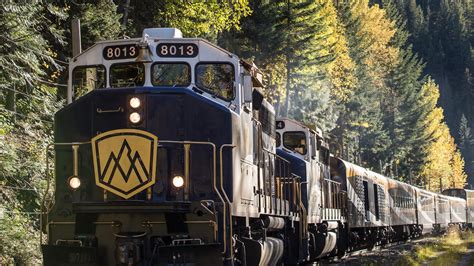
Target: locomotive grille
column 382, row 203
column 359, row 194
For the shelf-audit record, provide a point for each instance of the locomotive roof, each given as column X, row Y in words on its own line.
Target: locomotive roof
column 155, row 35
column 315, row 130
column 136, row 40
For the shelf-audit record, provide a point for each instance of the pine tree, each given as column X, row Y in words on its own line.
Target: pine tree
column 251, row 42
column 302, row 32
column 327, row 80
column 466, row 142
column 361, row 123
column 404, row 117
column 465, row 136
column 301, row 48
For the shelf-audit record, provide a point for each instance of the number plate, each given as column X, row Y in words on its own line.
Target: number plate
column 126, row 51
column 177, row 50
column 280, row 125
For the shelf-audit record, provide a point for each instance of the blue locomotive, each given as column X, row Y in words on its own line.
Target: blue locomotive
column 168, row 154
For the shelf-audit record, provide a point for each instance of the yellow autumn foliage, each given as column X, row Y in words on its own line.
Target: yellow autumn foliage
column 375, row 35
column 341, row 69
column 444, row 167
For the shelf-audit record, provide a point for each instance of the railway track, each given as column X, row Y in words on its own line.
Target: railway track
column 352, row 257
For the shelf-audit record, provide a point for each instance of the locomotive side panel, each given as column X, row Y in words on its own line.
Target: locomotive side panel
column 367, row 198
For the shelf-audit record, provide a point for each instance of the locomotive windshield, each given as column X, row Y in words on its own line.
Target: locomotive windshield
column 171, row 74
column 87, row 78
column 295, row 141
column 127, row 75
column 217, row 79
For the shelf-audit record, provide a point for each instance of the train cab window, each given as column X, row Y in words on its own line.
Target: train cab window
column 278, row 139
column 127, row 75
column 295, row 141
column 87, row 78
column 171, row 74
column 267, row 119
column 217, row 79
column 312, row 143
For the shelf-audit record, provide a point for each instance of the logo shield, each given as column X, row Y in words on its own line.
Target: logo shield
column 125, row 161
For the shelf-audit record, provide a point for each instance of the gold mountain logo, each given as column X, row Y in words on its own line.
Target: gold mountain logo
column 125, row 161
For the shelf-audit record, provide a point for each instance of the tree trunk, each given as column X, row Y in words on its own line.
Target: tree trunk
column 126, row 7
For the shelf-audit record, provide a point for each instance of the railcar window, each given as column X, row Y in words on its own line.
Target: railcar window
column 278, row 139
column 295, row 141
column 127, row 75
column 426, row 203
column 376, row 199
column 171, row 74
column 217, row 79
column 366, row 200
column 87, row 78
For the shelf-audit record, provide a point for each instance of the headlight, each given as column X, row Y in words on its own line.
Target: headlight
column 178, row 181
column 135, row 102
column 135, row 117
column 74, row 182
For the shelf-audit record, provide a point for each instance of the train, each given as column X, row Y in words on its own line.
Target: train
column 168, row 153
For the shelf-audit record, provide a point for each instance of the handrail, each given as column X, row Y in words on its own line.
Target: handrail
column 304, row 215
column 221, row 163
column 332, row 181
column 214, row 153
column 48, row 182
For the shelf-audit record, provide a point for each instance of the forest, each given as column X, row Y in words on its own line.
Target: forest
column 389, row 82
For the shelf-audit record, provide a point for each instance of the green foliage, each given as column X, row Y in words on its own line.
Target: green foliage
column 27, row 105
column 442, row 32
column 301, row 48
column 18, row 244
column 204, row 19
column 465, row 135
column 351, row 67
column 99, row 21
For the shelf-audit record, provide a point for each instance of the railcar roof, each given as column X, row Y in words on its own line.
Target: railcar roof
column 354, row 169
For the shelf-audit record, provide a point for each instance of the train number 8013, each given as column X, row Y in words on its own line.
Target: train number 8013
column 177, row 50
column 120, row 52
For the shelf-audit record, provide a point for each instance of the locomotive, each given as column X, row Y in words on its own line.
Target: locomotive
column 168, row 153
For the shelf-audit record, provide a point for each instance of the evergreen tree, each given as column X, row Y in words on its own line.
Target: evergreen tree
column 99, row 21
column 300, row 47
column 252, row 43
column 360, row 125
column 302, row 32
column 466, row 142
column 27, row 102
column 465, row 136
column 404, row 117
